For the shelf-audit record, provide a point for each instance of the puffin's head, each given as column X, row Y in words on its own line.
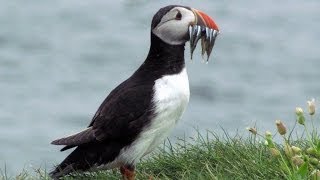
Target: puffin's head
column 175, row 25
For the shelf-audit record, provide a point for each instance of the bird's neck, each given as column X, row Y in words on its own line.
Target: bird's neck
column 163, row 56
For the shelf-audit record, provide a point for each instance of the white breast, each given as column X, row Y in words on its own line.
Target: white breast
column 171, row 96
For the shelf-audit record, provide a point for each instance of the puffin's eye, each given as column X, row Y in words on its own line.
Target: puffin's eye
column 178, row 16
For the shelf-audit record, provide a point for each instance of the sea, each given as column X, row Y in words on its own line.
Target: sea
column 60, row 59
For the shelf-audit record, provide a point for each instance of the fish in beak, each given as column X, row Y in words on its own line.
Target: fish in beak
column 203, row 28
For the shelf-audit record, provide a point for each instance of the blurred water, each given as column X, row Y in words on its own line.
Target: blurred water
column 60, row 59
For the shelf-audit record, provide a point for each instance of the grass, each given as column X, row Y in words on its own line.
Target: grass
column 211, row 156
column 203, row 157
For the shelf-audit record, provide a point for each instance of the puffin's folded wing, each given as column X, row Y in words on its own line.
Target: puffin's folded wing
column 82, row 137
column 125, row 114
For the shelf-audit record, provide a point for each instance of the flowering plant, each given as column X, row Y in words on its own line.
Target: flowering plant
column 301, row 161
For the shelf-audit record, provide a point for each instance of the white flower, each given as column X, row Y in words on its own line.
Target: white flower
column 311, row 106
column 299, row 111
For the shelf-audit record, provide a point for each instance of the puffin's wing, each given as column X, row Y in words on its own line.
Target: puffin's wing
column 120, row 116
column 82, row 137
column 124, row 115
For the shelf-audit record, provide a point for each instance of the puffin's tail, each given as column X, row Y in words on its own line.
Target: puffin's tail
column 79, row 160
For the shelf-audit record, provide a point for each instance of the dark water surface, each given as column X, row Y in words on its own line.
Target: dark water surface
column 60, row 59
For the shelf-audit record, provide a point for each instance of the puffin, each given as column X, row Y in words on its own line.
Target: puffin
column 140, row 113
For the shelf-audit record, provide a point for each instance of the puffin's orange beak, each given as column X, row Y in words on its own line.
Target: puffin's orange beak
column 203, row 19
column 203, row 28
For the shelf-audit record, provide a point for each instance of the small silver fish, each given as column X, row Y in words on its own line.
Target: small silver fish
column 208, row 37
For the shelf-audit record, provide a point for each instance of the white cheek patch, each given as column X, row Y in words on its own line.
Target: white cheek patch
column 173, row 31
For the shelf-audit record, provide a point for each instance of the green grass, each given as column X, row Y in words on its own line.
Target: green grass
column 203, row 157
